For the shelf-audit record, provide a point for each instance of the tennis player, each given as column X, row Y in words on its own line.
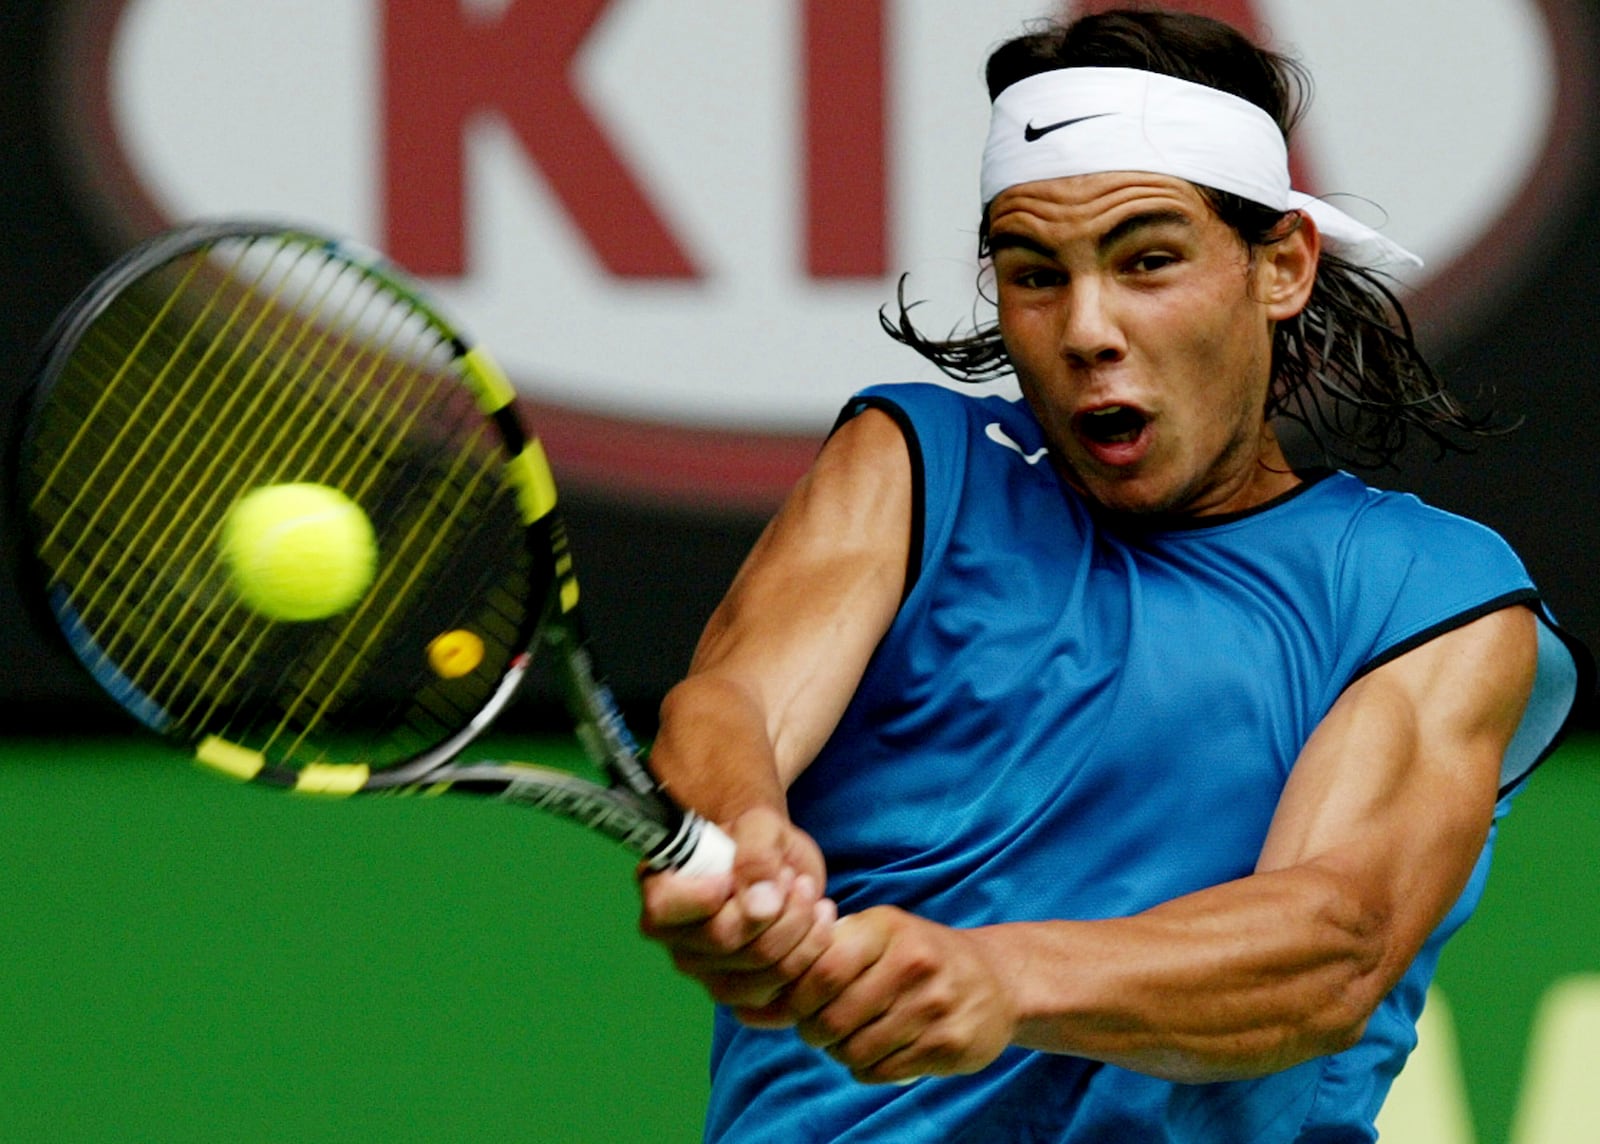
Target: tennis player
column 1144, row 771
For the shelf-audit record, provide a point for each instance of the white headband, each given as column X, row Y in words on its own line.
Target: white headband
column 1084, row 121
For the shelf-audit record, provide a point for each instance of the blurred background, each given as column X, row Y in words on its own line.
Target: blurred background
column 675, row 222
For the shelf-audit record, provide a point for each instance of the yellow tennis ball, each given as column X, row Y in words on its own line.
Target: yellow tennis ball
column 455, row 653
column 299, row 551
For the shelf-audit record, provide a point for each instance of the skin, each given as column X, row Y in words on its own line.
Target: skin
column 1128, row 290
column 1116, row 290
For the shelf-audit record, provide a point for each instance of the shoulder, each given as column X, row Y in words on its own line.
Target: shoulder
column 979, row 468
column 940, row 422
column 931, row 400
column 1408, row 572
column 1401, row 536
column 1417, row 572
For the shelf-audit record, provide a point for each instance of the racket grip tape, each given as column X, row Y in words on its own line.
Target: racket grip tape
column 702, row 849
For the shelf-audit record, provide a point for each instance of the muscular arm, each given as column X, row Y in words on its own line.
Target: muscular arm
column 1376, row 834
column 777, row 664
column 783, row 653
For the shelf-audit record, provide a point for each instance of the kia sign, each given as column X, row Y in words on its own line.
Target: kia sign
column 676, row 221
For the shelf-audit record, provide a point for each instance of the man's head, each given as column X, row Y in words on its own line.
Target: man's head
column 1140, row 330
column 1203, row 52
column 1138, row 317
column 1186, row 96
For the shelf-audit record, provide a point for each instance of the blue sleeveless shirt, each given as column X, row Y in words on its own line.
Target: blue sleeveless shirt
column 1076, row 718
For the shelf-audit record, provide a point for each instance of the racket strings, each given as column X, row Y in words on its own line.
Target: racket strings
column 432, row 526
column 342, row 410
column 151, row 523
column 134, row 369
column 275, row 459
column 351, row 641
column 51, row 482
column 305, row 425
column 145, row 525
column 376, row 412
column 319, row 680
column 442, row 707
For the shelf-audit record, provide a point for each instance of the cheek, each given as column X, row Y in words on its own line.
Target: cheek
column 1020, row 328
column 1216, row 383
column 1228, row 350
column 1231, row 398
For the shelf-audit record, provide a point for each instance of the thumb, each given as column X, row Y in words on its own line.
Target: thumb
column 762, row 875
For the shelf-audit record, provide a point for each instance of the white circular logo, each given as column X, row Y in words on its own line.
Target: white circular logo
column 675, row 221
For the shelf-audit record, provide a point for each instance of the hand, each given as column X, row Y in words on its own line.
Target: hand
column 894, row 998
column 747, row 935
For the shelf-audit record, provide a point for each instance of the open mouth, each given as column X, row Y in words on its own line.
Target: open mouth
column 1112, row 425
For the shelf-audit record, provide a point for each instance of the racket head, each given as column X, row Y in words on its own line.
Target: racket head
column 228, row 356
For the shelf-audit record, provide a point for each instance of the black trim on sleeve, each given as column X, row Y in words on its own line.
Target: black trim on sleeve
column 1583, row 695
column 1459, row 620
column 1583, row 663
column 855, row 408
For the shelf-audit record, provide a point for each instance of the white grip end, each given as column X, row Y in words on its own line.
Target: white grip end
column 712, row 853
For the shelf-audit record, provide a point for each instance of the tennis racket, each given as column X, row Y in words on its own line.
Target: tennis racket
column 222, row 358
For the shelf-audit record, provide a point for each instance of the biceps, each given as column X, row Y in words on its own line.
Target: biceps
column 1395, row 791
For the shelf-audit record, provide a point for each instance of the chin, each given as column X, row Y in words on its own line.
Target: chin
column 1131, row 497
column 1136, row 507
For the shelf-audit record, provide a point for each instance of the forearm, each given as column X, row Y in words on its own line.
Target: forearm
column 714, row 752
column 783, row 653
column 1239, row 980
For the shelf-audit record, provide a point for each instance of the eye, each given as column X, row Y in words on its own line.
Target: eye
column 1036, row 277
column 1152, row 261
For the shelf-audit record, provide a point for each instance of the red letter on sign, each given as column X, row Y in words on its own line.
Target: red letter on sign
column 441, row 67
column 845, row 168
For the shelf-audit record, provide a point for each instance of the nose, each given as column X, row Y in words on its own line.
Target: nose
column 1090, row 334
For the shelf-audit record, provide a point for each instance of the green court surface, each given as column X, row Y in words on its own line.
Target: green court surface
column 189, row 960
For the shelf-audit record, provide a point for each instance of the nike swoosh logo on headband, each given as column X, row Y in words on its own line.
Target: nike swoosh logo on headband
column 1032, row 134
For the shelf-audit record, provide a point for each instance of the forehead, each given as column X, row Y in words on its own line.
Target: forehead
column 1091, row 205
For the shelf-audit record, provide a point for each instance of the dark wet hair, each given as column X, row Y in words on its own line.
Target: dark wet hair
column 1347, row 369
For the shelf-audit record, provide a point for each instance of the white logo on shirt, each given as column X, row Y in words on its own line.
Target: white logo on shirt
column 1000, row 437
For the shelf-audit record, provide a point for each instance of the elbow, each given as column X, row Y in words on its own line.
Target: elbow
column 1322, row 1002
column 1349, row 969
column 1338, row 1025
column 1366, row 958
column 1320, row 1031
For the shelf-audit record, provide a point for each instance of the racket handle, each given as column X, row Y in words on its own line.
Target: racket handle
column 712, row 853
column 703, row 850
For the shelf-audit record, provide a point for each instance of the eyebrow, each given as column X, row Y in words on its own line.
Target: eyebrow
column 1145, row 220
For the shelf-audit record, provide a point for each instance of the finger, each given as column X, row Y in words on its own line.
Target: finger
column 901, row 1044
column 671, row 901
column 846, row 1021
column 858, row 942
column 761, row 838
column 903, row 1066
column 897, row 1049
column 785, row 948
column 762, row 997
column 735, row 933
column 880, row 1052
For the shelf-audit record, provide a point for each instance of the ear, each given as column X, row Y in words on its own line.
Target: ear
column 1287, row 269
